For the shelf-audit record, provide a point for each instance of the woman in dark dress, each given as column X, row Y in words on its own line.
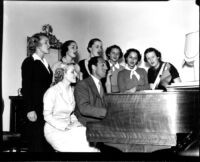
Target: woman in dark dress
column 95, row 48
column 160, row 74
column 36, row 79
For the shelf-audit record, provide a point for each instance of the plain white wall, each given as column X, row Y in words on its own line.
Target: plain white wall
column 140, row 25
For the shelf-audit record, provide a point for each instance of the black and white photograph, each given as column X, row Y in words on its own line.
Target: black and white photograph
column 95, row 78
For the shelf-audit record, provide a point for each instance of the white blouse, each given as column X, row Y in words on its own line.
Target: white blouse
column 58, row 106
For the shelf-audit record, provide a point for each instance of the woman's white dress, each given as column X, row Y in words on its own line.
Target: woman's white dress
column 62, row 129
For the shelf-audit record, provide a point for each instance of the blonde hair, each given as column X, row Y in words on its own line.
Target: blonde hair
column 60, row 72
column 34, row 41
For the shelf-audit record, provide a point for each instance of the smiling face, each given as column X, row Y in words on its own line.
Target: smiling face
column 70, row 74
column 96, row 49
column 114, row 55
column 44, row 45
column 132, row 59
column 72, row 50
column 100, row 69
column 152, row 59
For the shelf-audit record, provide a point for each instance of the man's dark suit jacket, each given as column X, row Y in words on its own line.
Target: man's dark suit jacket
column 89, row 105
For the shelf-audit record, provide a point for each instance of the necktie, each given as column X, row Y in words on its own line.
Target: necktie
column 101, row 89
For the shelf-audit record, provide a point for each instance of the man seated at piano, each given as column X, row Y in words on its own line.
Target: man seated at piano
column 89, row 97
column 132, row 78
column 160, row 74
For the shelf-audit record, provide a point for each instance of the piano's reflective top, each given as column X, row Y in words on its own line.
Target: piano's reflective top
column 147, row 121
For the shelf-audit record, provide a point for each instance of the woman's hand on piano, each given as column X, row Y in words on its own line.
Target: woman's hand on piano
column 132, row 90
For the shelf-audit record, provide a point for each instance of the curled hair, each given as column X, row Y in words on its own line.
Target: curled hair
column 157, row 53
column 60, row 72
column 109, row 49
column 91, row 42
column 132, row 50
column 34, row 41
column 59, row 75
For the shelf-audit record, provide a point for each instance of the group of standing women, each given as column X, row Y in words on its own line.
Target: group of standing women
column 49, row 96
column 130, row 78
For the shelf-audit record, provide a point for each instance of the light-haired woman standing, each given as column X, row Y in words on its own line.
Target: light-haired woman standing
column 36, row 79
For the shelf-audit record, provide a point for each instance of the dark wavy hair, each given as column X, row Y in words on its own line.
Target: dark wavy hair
column 132, row 50
column 151, row 49
column 34, row 41
column 93, row 61
column 65, row 48
column 91, row 42
column 109, row 49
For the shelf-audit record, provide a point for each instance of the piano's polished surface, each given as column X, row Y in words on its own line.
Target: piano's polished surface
column 148, row 120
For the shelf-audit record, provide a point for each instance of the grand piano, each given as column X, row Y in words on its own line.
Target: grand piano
column 147, row 121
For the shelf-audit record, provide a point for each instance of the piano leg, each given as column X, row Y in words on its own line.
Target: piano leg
column 187, row 145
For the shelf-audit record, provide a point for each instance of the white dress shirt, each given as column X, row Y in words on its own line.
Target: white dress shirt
column 96, row 81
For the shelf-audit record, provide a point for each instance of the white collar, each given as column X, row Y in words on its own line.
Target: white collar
column 63, row 88
column 36, row 57
column 116, row 65
column 96, row 81
column 68, row 96
column 44, row 61
column 86, row 61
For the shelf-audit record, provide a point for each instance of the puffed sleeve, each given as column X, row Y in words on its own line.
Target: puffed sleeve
column 49, row 106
